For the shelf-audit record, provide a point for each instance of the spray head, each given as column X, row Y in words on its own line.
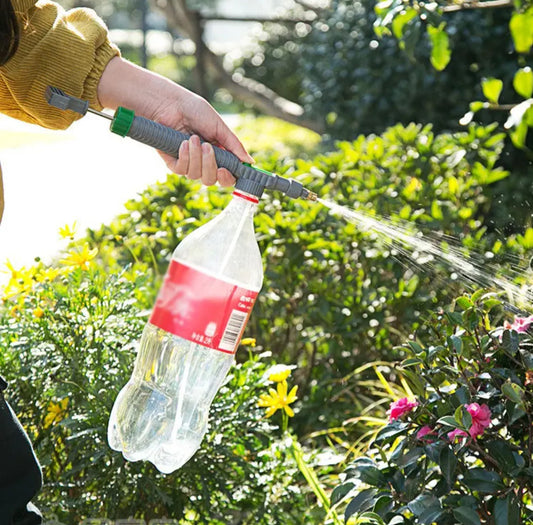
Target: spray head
column 255, row 180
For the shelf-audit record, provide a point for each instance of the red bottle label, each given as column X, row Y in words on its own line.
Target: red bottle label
column 202, row 308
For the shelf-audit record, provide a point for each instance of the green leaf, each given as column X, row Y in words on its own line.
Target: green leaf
column 476, row 105
column 390, row 432
column 340, row 491
column 529, row 116
column 510, row 341
column 523, row 82
column 466, row 516
column 448, row 464
column 410, row 457
column 506, row 511
column 455, row 318
column 495, row 175
column 492, row 87
column 412, row 361
column 502, row 453
column 371, row 475
column 519, row 134
column 411, row 36
column 449, row 421
column 514, row 411
column 370, row 518
column 440, row 47
column 484, row 481
column 513, row 392
column 415, row 347
column 401, row 20
column 464, row 303
column 463, row 417
column 363, row 501
column 427, row 508
column 436, row 211
column 455, row 343
column 521, row 26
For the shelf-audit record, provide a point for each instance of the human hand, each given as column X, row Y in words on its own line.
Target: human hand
column 159, row 99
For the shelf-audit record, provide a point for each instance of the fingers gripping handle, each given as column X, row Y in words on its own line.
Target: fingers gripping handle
column 169, row 141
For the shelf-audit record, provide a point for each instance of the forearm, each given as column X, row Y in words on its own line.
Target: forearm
column 148, row 94
column 155, row 97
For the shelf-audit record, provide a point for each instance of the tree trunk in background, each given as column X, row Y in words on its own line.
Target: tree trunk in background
column 199, row 53
column 187, row 22
column 144, row 29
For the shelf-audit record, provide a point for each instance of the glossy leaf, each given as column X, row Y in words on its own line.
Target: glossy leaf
column 362, row 502
column 440, row 47
column 521, row 26
column 523, row 82
column 513, row 392
column 506, row 511
column 482, row 480
column 466, row 516
column 448, row 464
column 492, row 87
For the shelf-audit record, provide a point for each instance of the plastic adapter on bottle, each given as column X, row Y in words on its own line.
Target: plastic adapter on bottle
column 188, row 345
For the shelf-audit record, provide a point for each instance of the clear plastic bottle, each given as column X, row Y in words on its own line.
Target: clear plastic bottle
column 188, row 345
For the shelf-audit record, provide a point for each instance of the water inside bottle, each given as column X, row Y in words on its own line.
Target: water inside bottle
column 161, row 414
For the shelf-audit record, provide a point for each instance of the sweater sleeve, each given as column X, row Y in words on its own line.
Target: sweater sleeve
column 64, row 49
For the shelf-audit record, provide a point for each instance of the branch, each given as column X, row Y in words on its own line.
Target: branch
column 245, row 89
column 309, row 6
column 261, row 19
column 467, row 4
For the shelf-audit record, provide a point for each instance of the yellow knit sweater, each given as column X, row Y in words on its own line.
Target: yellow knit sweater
column 65, row 49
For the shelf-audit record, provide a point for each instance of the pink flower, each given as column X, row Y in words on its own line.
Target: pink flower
column 398, row 408
column 457, row 433
column 522, row 324
column 424, row 431
column 480, row 418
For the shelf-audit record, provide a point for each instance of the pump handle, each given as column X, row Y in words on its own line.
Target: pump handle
column 169, row 140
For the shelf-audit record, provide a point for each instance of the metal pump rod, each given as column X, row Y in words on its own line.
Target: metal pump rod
column 166, row 139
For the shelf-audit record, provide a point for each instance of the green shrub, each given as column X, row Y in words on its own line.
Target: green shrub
column 69, row 342
column 336, row 295
column 459, row 450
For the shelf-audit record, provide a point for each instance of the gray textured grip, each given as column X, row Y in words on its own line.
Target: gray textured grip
column 169, row 141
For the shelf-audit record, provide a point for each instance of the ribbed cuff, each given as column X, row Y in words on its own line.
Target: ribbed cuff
column 104, row 54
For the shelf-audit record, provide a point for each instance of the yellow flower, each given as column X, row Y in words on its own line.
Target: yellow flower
column 248, row 341
column 47, row 274
column 21, row 280
column 278, row 373
column 14, row 311
column 80, row 258
column 278, row 399
column 68, row 231
column 56, row 412
column 38, row 312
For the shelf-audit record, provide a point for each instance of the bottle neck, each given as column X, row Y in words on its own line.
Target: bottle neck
column 244, row 202
column 239, row 194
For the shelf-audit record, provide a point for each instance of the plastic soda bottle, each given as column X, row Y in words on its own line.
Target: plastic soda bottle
column 188, row 345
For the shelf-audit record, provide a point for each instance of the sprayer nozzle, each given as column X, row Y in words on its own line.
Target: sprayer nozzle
column 311, row 196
